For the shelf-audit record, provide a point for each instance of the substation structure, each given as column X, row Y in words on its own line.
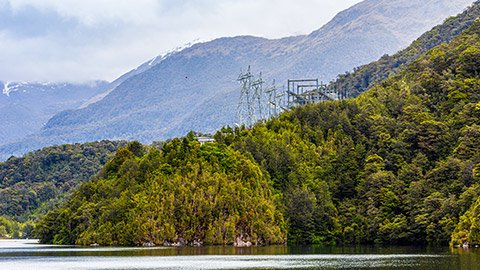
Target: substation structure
column 259, row 103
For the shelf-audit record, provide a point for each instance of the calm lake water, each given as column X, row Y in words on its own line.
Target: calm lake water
column 30, row 255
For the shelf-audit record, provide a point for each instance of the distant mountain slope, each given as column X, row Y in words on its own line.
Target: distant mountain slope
column 25, row 107
column 398, row 165
column 352, row 84
column 372, row 27
column 193, row 89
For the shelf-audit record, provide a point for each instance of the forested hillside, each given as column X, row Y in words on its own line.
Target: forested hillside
column 351, row 84
column 195, row 88
column 184, row 194
column 399, row 165
column 33, row 184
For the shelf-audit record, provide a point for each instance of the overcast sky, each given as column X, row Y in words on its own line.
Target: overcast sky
column 80, row 40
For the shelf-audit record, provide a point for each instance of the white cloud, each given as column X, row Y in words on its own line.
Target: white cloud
column 93, row 12
column 101, row 39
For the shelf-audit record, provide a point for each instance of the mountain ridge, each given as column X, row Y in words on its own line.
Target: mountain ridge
column 366, row 76
column 26, row 107
column 397, row 165
column 157, row 103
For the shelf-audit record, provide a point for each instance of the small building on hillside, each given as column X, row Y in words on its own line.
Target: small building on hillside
column 204, row 140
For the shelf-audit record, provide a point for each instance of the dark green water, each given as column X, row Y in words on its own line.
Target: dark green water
column 29, row 255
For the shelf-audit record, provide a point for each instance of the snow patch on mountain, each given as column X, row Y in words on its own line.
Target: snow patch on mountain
column 159, row 58
column 6, row 89
column 24, row 87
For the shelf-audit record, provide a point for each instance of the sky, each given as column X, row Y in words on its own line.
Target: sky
column 86, row 40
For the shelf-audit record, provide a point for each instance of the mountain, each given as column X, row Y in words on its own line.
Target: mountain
column 399, row 164
column 26, row 107
column 195, row 89
column 351, row 84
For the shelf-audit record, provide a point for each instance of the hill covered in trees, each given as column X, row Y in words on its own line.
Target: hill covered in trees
column 351, row 84
column 160, row 102
column 33, row 184
column 399, row 164
column 184, row 194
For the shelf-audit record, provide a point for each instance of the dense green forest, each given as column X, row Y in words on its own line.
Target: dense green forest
column 184, row 194
column 33, row 184
column 351, row 84
column 400, row 164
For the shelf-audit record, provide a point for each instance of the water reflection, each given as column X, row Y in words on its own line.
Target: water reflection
column 29, row 255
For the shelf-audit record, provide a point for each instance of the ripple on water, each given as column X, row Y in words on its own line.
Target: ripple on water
column 217, row 262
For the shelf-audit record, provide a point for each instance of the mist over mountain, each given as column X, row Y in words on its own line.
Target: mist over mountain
column 195, row 89
column 397, row 165
column 26, row 107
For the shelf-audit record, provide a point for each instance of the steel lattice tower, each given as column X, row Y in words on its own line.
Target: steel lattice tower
column 250, row 106
column 244, row 113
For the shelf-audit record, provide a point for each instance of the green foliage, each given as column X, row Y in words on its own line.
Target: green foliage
column 136, row 148
column 33, row 184
column 14, row 229
column 468, row 228
column 365, row 77
column 184, row 193
column 398, row 164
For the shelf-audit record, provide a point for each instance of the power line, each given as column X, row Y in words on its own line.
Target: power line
column 256, row 104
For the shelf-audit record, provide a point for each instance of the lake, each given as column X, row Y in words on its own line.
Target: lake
column 27, row 254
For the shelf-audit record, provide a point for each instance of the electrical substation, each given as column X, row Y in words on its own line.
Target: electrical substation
column 259, row 103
